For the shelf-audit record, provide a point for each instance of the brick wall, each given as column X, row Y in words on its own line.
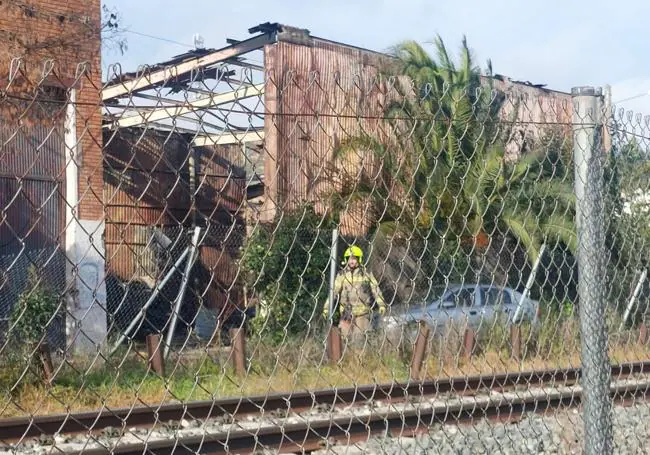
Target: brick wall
column 67, row 32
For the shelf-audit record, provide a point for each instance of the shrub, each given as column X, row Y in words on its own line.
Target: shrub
column 34, row 311
column 287, row 266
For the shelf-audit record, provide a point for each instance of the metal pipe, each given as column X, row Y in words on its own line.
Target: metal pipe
column 333, row 256
column 635, row 295
column 151, row 299
column 181, row 293
column 529, row 284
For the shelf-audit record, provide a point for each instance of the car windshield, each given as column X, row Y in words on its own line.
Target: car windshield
column 437, row 293
column 441, row 293
column 458, row 297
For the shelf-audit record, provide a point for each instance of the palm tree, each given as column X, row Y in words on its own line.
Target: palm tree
column 520, row 199
column 443, row 176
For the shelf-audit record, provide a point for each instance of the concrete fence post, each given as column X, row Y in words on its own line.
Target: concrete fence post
column 590, row 224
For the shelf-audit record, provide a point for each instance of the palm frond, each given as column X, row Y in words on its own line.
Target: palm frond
column 562, row 228
column 524, row 229
column 526, row 166
column 446, row 67
column 557, row 191
column 485, row 170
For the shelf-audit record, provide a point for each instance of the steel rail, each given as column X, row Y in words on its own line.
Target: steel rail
column 82, row 422
column 310, row 436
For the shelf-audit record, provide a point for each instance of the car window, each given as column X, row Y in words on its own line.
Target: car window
column 461, row 297
column 495, row 296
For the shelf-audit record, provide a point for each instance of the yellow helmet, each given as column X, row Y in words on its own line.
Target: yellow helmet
column 353, row 251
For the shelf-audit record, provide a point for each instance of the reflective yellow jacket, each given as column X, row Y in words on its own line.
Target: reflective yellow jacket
column 357, row 292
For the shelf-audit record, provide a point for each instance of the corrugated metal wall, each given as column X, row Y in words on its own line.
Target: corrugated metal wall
column 534, row 109
column 317, row 96
column 145, row 184
column 32, row 186
column 32, row 213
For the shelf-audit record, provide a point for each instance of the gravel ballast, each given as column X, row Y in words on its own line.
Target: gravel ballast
column 558, row 432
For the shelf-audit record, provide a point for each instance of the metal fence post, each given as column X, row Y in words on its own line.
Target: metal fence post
column 333, row 257
column 590, row 225
column 333, row 334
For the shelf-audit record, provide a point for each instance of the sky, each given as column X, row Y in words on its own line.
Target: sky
column 559, row 43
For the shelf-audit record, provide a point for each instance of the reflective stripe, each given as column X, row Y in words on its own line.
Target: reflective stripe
column 360, row 279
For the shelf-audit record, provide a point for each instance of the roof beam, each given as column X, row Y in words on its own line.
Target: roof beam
column 165, row 112
column 245, row 64
column 145, row 80
column 229, row 138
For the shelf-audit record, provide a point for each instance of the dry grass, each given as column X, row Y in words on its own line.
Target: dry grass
column 124, row 381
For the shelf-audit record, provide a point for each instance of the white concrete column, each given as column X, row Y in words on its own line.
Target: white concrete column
column 86, row 325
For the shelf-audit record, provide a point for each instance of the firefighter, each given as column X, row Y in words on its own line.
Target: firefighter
column 357, row 296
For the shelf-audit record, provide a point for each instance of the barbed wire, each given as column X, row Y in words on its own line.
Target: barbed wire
column 313, row 115
column 631, row 133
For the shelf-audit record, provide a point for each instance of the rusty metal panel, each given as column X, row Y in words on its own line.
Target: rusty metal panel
column 271, row 153
column 33, row 214
column 325, row 93
column 219, row 268
column 119, row 260
column 220, row 192
column 535, row 110
column 221, row 178
column 133, row 214
column 32, row 189
column 145, row 184
column 32, row 151
column 146, row 169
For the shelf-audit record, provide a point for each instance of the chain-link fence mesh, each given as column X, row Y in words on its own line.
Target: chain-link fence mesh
column 244, row 229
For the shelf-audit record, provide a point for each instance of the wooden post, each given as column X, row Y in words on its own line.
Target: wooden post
column 46, row 361
column 643, row 333
column 334, row 344
column 515, row 340
column 238, row 341
column 419, row 351
column 155, row 355
column 468, row 342
column 216, row 335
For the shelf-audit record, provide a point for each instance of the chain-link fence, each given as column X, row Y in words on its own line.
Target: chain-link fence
column 238, row 230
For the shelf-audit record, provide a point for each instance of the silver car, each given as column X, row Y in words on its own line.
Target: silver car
column 465, row 305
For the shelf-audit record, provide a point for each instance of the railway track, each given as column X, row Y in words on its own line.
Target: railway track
column 303, row 421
